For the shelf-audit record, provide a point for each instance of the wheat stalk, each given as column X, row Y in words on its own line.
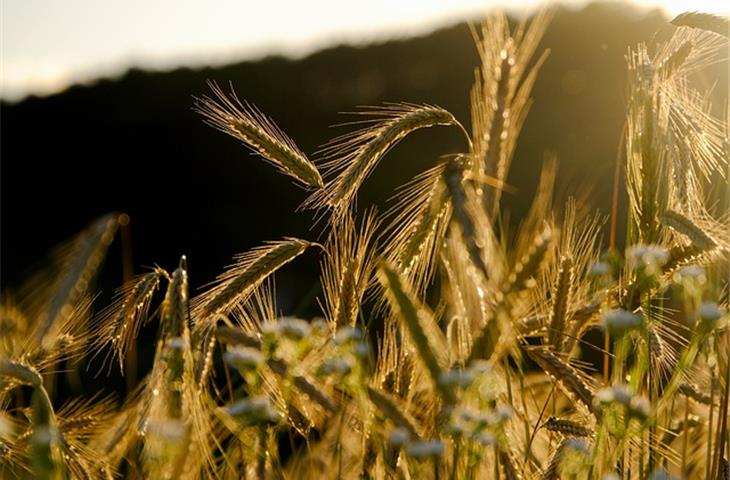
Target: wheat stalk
column 500, row 95
column 552, row 470
column 453, row 284
column 45, row 449
column 80, row 265
column 693, row 392
column 519, row 279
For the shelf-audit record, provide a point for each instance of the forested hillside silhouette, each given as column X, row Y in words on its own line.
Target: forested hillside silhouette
column 134, row 144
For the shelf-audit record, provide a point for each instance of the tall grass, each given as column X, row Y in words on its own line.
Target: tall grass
column 449, row 346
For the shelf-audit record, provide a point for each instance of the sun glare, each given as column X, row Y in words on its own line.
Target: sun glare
column 42, row 53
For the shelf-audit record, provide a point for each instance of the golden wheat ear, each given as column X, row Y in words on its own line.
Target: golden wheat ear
column 460, row 197
column 258, row 132
column 78, row 262
column 391, row 407
column 418, row 222
column 350, row 158
column 690, row 229
column 574, row 384
column 425, row 334
column 45, row 442
column 347, row 269
column 79, row 421
column 561, row 298
column 119, row 323
column 249, row 271
column 500, row 96
column 703, row 21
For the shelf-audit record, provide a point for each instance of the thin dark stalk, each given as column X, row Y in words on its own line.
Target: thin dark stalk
column 685, row 437
column 710, row 419
column 722, row 432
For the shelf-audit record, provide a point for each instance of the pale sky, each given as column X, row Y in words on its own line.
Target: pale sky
column 47, row 45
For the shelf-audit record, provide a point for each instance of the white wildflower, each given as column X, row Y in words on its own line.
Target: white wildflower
column 710, row 312
column 348, row 334
column 243, row 358
column 254, row 410
column 294, row 328
column 456, row 378
column 399, row 437
column 648, row 257
column 424, row 449
column 619, row 321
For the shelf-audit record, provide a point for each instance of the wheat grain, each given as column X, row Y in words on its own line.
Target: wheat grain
column 674, row 61
column 174, row 316
column 500, row 117
column 659, row 352
column 508, row 466
column 205, row 356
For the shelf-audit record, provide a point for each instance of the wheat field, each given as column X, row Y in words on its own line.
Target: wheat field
column 451, row 344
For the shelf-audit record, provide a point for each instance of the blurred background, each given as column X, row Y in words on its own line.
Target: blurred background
column 96, row 114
